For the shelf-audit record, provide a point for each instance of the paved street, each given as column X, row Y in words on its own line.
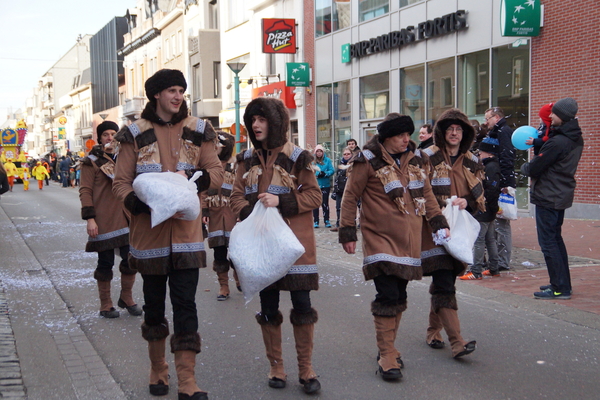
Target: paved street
column 527, row 349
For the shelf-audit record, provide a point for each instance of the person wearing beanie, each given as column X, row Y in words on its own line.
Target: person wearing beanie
column 323, row 171
column 279, row 174
column 218, row 216
column 453, row 171
column 107, row 223
column 543, row 129
column 390, row 177
column 496, row 123
column 552, row 190
column 167, row 139
column 488, row 154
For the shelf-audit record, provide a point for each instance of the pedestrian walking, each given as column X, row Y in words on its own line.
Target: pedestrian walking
column 279, row 174
column 47, row 166
column 106, row 223
column 218, row 216
column 453, row 171
column 496, row 124
column 323, row 171
column 167, row 139
column 486, row 240
column 65, row 165
column 339, row 184
column 11, row 173
column 39, row 172
column 553, row 183
column 390, row 177
column 26, row 178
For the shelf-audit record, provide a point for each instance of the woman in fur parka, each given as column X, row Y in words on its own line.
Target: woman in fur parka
column 453, row 171
column 279, row 174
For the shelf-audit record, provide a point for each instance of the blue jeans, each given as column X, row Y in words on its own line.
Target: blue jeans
column 504, row 242
column 324, row 206
column 549, row 225
column 486, row 239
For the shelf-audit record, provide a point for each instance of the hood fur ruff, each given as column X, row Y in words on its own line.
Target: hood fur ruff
column 279, row 120
column 449, row 117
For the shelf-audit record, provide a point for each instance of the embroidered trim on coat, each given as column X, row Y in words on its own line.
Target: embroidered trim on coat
column 436, row 251
column 109, row 235
column 415, row 262
column 140, row 169
column 187, row 247
column 303, row 269
column 150, row 253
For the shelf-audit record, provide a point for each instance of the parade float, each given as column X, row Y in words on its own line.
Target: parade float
column 12, row 141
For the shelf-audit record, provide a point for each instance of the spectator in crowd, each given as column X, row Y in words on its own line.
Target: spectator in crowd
column 425, row 136
column 323, row 171
column 353, row 146
column 543, row 129
column 340, row 183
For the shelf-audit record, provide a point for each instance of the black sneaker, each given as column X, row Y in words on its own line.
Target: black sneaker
column 550, row 294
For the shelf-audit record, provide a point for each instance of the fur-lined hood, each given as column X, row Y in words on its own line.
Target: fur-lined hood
column 449, row 117
column 149, row 114
column 279, row 120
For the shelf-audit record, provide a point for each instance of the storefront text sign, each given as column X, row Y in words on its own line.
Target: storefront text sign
column 520, row 17
column 429, row 29
column 277, row 90
column 298, row 74
column 279, row 35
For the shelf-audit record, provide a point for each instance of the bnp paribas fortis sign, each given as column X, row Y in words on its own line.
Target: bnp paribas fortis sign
column 520, row 17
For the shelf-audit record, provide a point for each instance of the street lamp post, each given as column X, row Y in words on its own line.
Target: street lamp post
column 236, row 67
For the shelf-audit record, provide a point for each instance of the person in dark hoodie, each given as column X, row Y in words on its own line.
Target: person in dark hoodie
column 279, row 174
column 339, row 184
column 553, row 183
column 453, row 171
column 425, row 136
column 167, row 139
column 219, row 218
column 488, row 151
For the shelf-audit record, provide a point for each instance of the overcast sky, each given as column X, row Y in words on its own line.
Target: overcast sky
column 36, row 33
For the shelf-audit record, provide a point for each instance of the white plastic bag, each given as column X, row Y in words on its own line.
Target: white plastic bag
column 507, row 205
column 167, row 193
column 464, row 230
column 263, row 248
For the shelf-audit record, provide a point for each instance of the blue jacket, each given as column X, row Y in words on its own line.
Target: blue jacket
column 327, row 168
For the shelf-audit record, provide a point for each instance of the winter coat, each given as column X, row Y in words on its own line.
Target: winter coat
column 491, row 190
column 506, row 154
column 553, row 170
column 65, row 164
column 153, row 145
column 216, row 205
column 426, row 143
column 326, row 167
column 11, row 169
column 296, row 202
column 462, row 180
column 339, row 183
column 39, row 172
column 99, row 202
column 387, row 249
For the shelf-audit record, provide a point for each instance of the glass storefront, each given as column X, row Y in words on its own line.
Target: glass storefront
column 440, row 87
column 412, row 98
column 369, row 9
column 324, row 120
column 375, row 96
column 342, row 117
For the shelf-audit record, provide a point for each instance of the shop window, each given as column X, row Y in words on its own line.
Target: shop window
column 441, row 87
column 294, row 132
column 374, row 96
column 369, row 9
column 404, row 3
column 342, row 117
column 474, row 84
column 412, row 98
column 331, row 15
column 324, row 119
column 517, row 76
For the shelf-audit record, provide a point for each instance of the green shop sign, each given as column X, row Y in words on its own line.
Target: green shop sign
column 298, row 74
column 520, row 17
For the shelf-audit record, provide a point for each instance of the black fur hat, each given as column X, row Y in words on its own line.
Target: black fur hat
column 105, row 126
column 163, row 79
column 395, row 124
column 276, row 114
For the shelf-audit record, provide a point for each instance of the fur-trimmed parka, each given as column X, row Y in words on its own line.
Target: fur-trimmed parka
column 99, row 202
column 153, row 145
column 298, row 190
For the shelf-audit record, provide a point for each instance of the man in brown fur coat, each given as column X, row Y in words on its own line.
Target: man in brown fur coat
column 453, row 171
column 167, row 139
column 390, row 178
column 278, row 173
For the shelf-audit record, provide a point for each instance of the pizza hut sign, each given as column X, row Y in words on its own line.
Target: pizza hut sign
column 279, row 35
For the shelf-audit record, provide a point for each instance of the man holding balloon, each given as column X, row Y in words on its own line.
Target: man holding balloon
column 552, row 174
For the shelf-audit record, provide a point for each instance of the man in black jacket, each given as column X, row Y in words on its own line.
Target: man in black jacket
column 496, row 123
column 552, row 174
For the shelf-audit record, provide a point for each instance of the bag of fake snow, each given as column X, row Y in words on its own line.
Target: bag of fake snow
column 464, row 230
column 167, row 193
column 263, row 248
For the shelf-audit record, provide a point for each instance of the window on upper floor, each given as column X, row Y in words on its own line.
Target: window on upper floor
column 369, row 9
column 237, row 12
column 331, row 15
column 404, row 3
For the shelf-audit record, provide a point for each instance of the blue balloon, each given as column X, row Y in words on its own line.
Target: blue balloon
column 520, row 136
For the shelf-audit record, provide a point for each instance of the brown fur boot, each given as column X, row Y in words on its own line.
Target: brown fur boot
column 451, row 323
column 159, row 368
column 385, row 331
column 106, row 305
column 185, row 363
column 126, row 298
column 434, row 335
column 271, row 333
column 223, row 278
column 304, row 327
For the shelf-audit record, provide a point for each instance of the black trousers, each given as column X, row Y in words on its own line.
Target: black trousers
column 269, row 302
column 106, row 259
column 182, row 290
column 391, row 290
column 444, row 281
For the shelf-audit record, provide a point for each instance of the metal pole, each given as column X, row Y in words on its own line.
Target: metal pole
column 236, row 82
